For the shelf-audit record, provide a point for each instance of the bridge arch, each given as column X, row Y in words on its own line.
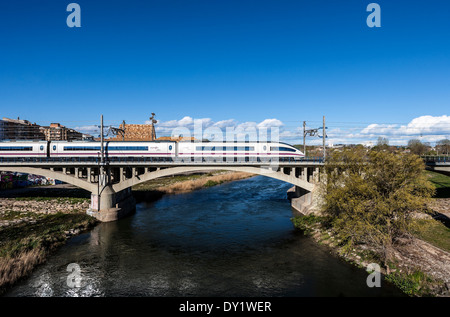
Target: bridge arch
column 113, row 199
column 289, row 178
column 53, row 174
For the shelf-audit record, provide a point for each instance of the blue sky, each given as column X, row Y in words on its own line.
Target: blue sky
column 243, row 62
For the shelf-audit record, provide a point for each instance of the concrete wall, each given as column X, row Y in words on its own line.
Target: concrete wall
column 303, row 201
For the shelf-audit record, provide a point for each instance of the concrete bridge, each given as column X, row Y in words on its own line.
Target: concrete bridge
column 110, row 183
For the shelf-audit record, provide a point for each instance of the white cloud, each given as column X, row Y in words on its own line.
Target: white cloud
column 426, row 128
column 268, row 123
column 424, row 125
column 225, row 123
column 88, row 129
column 379, row 128
column 241, row 130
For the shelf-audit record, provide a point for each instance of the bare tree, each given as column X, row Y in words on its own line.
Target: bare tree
column 443, row 146
column 417, row 147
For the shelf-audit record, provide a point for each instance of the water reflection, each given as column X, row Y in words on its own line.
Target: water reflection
column 230, row 240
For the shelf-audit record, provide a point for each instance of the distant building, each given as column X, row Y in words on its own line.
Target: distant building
column 87, row 137
column 18, row 129
column 58, row 132
column 2, row 130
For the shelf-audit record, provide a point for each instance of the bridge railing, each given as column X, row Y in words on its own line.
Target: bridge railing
column 173, row 160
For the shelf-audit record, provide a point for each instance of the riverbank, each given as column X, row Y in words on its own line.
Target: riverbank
column 29, row 235
column 422, row 263
column 35, row 221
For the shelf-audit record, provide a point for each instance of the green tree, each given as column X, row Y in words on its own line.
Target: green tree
column 370, row 197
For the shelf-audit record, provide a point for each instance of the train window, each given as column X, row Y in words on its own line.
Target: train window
column 54, row 147
column 81, row 148
column 265, row 147
column 41, row 148
column 281, row 149
column 127, row 148
column 110, row 148
column 16, row 148
column 206, row 148
column 170, row 147
column 225, row 148
column 244, row 148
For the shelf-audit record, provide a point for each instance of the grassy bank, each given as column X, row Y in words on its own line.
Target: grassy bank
column 406, row 276
column 441, row 183
column 380, row 204
column 433, row 232
column 24, row 245
column 70, row 200
column 33, row 223
column 409, row 278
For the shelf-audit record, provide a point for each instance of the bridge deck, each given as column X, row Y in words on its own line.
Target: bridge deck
column 431, row 161
column 67, row 162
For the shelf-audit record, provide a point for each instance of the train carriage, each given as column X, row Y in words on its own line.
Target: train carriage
column 237, row 151
column 153, row 151
column 113, row 150
column 23, row 149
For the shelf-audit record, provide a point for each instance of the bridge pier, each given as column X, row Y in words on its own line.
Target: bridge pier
column 111, row 206
column 303, row 201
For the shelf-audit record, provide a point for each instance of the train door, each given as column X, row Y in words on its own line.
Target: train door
column 171, row 150
column 42, row 150
column 264, row 152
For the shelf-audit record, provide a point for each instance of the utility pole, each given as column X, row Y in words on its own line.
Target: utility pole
column 324, row 136
column 101, row 178
column 102, row 150
column 310, row 132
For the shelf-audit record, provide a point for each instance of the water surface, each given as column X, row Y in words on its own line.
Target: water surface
column 235, row 239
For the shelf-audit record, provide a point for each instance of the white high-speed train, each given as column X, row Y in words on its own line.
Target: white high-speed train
column 161, row 150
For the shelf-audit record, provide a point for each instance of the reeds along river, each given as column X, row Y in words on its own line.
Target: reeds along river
column 235, row 239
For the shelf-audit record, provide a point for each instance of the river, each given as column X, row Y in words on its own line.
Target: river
column 235, row 239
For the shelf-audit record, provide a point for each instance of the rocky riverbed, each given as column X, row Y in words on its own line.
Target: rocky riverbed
column 28, row 209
